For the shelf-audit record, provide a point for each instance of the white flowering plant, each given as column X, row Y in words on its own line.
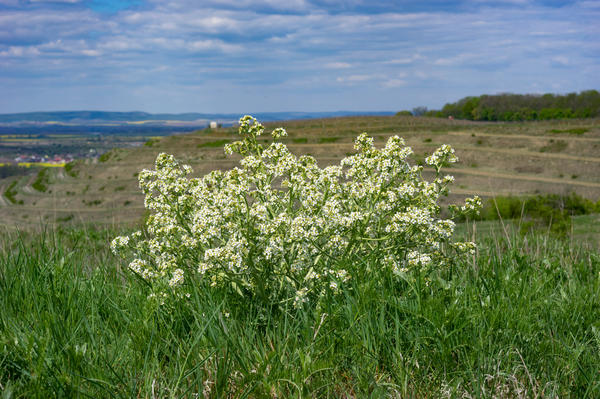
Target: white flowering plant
column 282, row 230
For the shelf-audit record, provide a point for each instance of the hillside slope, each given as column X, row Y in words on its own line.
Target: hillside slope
column 495, row 158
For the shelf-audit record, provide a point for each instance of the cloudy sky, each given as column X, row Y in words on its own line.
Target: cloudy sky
column 289, row 55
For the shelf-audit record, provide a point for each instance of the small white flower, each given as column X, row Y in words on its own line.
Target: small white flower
column 177, row 278
column 119, row 243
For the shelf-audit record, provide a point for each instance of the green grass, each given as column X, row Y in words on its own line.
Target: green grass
column 523, row 320
column 576, row 130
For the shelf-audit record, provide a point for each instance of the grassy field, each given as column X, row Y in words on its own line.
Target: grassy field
column 495, row 159
column 520, row 321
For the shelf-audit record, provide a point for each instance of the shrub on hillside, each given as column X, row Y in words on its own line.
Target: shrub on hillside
column 42, row 181
column 72, row 168
column 551, row 212
column 280, row 230
column 11, row 192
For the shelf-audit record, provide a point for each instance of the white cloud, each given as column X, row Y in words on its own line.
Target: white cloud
column 90, row 53
column 219, row 45
column 561, row 60
column 120, row 43
column 354, row 78
column 455, row 59
column 278, row 45
column 20, row 51
column 405, row 60
column 393, row 83
column 497, row 2
column 337, row 65
column 589, row 4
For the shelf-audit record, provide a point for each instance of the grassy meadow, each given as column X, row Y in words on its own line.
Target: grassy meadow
column 519, row 319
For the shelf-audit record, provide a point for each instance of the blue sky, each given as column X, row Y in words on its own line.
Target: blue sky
column 289, row 55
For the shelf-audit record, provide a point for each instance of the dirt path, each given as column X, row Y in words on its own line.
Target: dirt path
column 530, row 154
column 461, row 191
column 526, row 136
column 522, row 177
column 77, row 210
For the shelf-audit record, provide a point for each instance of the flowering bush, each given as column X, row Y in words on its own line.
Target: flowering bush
column 281, row 229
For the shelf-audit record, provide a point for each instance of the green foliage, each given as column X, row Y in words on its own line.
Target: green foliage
column 105, row 157
column 577, row 130
column 151, row 142
column 325, row 140
column 550, row 212
column 71, row 168
column 92, row 202
column 521, row 321
column 419, row 111
column 519, row 107
column 65, row 219
column 404, row 113
column 11, row 192
column 42, row 181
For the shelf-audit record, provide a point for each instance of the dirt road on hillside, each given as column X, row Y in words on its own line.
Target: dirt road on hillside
column 522, row 177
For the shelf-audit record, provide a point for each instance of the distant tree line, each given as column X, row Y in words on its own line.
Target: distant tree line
column 523, row 107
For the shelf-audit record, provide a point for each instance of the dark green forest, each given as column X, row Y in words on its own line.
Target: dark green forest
column 523, row 107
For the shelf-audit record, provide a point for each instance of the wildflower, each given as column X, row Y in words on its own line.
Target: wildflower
column 282, row 223
column 177, row 278
column 119, row 243
column 472, row 204
column 279, row 132
column 417, row 259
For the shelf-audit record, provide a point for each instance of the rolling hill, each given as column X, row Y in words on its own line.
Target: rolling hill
column 495, row 159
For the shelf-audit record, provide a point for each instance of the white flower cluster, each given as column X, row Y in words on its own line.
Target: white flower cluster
column 281, row 228
column 443, row 155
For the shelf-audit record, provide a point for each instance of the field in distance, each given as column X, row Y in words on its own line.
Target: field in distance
column 495, row 159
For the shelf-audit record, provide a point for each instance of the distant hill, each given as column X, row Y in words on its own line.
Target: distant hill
column 523, row 158
column 104, row 117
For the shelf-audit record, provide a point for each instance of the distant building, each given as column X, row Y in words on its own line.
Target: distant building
column 213, row 125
